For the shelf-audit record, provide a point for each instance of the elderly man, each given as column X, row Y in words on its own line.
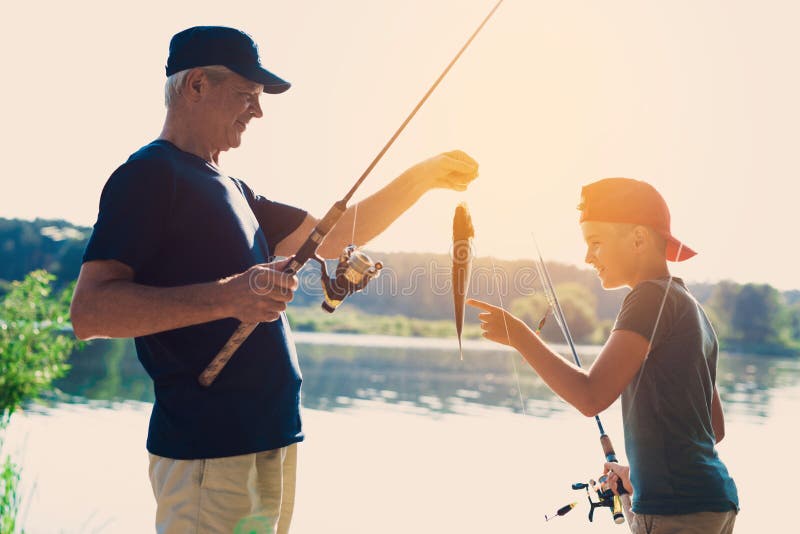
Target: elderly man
column 169, row 263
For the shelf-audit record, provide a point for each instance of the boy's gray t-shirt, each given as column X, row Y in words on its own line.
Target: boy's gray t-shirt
column 666, row 408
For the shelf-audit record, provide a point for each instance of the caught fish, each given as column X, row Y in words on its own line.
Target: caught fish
column 462, row 254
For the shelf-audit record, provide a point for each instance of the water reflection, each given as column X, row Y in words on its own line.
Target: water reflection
column 747, row 383
column 428, row 380
column 433, row 380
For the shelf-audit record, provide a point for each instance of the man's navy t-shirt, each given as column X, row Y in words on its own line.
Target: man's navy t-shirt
column 176, row 220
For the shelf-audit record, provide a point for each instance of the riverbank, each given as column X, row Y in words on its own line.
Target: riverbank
column 351, row 320
column 354, row 321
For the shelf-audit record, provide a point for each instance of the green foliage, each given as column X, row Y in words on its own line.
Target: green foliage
column 413, row 294
column 580, row 310
column 350, row 320
column 756, row 313
column 54, row 245
column 578, row 303
column 754, row 318
column 530, row 308
column 35, row 342
column 9, row 499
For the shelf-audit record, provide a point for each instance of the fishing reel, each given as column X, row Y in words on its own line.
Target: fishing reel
column 603, row 498
column 353, row 272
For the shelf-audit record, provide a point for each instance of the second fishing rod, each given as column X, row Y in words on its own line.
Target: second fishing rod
column 606, row 496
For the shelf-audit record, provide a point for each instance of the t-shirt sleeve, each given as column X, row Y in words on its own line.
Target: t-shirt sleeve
column 134, row 210
column 277, row 220
column 640, row 312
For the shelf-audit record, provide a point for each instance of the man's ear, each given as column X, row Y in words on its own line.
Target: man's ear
column 195, row 85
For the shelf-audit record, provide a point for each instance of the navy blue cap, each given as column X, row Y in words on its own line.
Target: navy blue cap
column 202, row 46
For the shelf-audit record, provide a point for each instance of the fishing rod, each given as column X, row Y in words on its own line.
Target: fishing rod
column 606, row 497
column 355, row 268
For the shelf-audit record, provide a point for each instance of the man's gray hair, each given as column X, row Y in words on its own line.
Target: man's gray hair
column 172, row 89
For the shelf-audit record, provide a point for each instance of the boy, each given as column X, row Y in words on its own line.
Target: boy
column 661, row 357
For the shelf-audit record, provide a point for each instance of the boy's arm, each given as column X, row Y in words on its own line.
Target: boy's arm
column 615, row 367
column 717, row 417
column 590, row 391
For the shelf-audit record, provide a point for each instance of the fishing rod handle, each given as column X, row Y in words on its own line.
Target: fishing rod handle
column 611, row 456
column 213, row 369
column 608, row 448
column 307, row 251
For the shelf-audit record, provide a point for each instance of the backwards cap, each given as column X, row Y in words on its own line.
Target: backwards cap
column 624, row 200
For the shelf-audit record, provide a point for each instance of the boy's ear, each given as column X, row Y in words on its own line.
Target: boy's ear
column 640, row 236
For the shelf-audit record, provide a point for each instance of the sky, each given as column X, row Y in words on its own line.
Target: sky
column 699, row 98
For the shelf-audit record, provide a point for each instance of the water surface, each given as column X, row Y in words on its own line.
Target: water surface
column 402, row 436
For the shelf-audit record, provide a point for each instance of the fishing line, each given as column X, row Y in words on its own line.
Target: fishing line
column 355, row 215
column 652, row 337
column 550, row 294
column 508, row 337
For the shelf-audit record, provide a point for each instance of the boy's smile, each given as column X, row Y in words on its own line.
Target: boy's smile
column 607, row 250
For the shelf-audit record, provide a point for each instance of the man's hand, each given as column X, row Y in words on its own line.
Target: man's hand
column 449, row 170
column 261, row 293
column 617, row 472
column 498, row 325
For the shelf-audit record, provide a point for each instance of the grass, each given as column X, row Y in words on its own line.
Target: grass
column 353, row 321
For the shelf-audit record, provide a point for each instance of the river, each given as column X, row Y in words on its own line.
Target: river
column 402, row 437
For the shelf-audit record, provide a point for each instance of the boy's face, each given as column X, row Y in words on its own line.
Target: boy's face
column 610, row 249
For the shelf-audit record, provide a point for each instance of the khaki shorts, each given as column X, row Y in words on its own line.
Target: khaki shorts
column 251, row 493
column 697, row 523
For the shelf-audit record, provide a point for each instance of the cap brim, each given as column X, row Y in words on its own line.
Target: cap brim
column 272, row 84
column 677, row 251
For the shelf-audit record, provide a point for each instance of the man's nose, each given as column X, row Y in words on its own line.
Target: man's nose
column 256, row 108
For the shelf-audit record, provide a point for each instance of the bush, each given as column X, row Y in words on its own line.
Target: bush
column 35, row 341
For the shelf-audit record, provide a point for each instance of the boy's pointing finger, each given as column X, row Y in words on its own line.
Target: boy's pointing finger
column 485, row 306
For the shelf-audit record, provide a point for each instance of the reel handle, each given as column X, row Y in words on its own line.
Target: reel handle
column 611, row 456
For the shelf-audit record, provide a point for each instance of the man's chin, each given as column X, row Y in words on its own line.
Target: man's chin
column 233, row 143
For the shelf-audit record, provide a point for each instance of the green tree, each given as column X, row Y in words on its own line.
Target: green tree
column 720, row 306
column 758, row 315
column 531, row 309
column 578, row 303
column 34, row 345
column 793, row 322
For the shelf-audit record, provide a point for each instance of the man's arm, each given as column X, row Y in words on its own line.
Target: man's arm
column 107, row 303
column 451, row 170
column 717, row 417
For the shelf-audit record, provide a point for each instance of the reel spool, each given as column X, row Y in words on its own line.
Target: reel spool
column 353, row 272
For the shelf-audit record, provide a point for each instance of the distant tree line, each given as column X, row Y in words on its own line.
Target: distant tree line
column 747, row 317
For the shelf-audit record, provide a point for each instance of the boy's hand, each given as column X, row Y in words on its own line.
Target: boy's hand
column 617, row 472
column 497, row 324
